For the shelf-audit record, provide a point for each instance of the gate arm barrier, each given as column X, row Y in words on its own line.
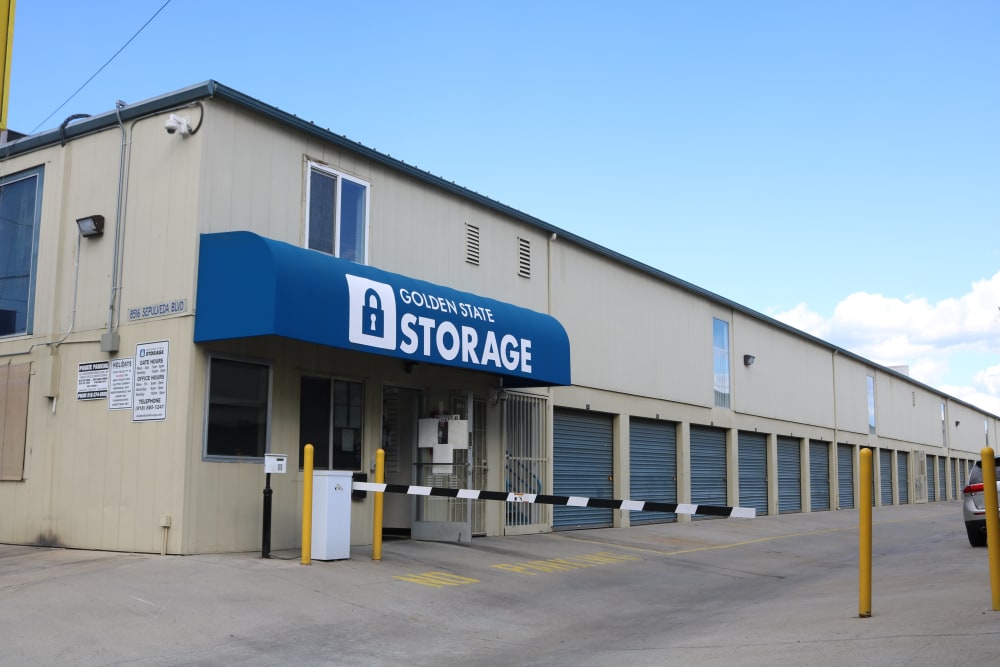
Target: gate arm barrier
column 573, row 501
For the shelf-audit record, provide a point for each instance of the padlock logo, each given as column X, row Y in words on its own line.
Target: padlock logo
column 371, row 313
column 372, row 316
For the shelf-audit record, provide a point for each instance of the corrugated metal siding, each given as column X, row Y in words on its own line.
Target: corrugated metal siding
column 819, row 475
column 931, row 482
column 753, row 471
column 903, row 476
column 653, row 467
column 789, row 475
column 708, row 467
column 885, row 475
column 845, row 476
column 583, row 463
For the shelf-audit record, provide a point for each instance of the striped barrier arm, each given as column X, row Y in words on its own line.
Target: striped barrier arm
column 572, row 501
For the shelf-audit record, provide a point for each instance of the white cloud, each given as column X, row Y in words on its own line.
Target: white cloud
column 928, row 337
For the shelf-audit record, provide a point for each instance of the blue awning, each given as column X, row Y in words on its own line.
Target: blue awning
column 251, row 286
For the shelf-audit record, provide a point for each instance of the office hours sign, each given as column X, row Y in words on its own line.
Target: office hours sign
column 150, row 395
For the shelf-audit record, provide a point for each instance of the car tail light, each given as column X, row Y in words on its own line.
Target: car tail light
column 973, row 488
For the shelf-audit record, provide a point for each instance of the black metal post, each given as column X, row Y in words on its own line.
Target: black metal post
column 265, row 547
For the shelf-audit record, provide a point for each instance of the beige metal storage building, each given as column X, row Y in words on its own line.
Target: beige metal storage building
column 192, row 281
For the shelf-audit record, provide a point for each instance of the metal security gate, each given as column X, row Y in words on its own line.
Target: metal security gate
column 903, row 476
column 708, row 467
column 845, row 476
column 753, row 471
column 931, row 483
column 653, row 467
column 582, row 465
column 789, row 475
column 819, row 475
column 885, row 475
column 526, row 459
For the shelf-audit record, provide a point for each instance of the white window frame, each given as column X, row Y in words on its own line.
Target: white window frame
column 339, row 177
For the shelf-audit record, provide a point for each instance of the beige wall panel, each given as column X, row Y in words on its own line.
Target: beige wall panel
column 970, row 434
column 907, row 412
column 96, row 479
column 791, row 378
column 852, row 395
column 631, row 332
column 259, row 185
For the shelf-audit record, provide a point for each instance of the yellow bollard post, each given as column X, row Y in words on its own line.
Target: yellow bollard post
column 992, row 522
column 865, row 536
column 307, row 504
column 379, row 498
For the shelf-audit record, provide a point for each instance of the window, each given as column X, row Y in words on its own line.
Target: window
column 20, row 210
column 871, row 404
column 330, row 419
column 720, row 347
column 338, row 214
column 238, row 404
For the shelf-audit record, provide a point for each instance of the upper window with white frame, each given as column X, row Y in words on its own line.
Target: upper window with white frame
column 720, row 362
column 20, row 212
column 337, row 222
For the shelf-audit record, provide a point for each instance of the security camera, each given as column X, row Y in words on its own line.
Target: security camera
column 177, row 124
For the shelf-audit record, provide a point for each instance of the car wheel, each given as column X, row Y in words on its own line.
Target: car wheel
column 977, row 537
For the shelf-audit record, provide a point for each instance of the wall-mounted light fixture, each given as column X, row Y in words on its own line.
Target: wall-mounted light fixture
column 957, row 423
column 748, row 359
column 92, row 225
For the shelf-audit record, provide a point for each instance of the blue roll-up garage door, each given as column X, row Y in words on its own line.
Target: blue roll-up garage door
column 753, row 471
column 954, row 479
column 845, row 475
column 789, row 475
column 903, row 476
column 708, row 467
column 931, row 483
column 819, row 475
column 885, row 475
column 942, row 478
column 582, row 465
column 653, row 467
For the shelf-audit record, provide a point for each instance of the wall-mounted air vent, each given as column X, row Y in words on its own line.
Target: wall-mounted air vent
column 523, row 258
column 472, row 244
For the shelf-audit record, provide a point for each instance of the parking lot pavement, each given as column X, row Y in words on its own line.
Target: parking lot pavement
column 769, row 591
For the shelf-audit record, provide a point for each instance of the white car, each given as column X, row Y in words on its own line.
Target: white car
column 974, row 507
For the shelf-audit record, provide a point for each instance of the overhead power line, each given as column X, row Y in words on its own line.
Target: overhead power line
column 76, row 92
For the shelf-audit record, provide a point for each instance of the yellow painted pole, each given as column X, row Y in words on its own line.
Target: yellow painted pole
column 379, row 498
column 992, row 522
column 865, row 536
column 307, row 504
column 6, row 52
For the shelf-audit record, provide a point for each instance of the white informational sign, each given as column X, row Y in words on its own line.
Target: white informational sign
column 92, row 381
column 150, row 399
column 122, row 382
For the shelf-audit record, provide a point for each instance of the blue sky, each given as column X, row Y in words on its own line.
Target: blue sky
column 835, row 165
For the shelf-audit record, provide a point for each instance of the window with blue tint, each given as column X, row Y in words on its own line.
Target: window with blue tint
column 337, row 223
column 20, row 212
column 871, row 404
column 720, row 349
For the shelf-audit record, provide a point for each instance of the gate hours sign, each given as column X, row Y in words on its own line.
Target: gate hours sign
column 150, row 396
